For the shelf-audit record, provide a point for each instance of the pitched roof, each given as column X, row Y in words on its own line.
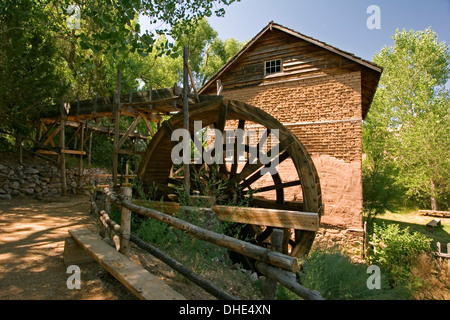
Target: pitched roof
column 372, row 67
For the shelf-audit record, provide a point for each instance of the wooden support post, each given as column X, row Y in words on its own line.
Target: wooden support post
column 125, row 223
column 270, row 286
column 19, row 144
column 187, row 176
column 90, row 149
column 116, row 127
column 62, row 146
column 80, row 160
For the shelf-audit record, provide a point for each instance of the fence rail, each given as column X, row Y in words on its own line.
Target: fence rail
column 276, row 266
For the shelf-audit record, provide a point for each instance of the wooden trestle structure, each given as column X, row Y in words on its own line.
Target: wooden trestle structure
column 147, row 106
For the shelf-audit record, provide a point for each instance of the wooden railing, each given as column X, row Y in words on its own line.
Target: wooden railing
column 275, row 266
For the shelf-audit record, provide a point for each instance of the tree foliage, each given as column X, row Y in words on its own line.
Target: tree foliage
column 407, row 132
column 44, row 57
column 29, row 67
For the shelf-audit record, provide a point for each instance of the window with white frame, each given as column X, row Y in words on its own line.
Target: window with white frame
column 272, row 67
column 231, row 140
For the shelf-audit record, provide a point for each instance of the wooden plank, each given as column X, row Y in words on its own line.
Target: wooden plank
column 269, row 217
column 129, row 131
column 76, row 152
column 53, row 153
column 434, row 213
column 170, row 208
column 135, row 278
column 433, row 224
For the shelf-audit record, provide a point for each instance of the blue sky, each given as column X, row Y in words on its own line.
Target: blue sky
column 340, row 23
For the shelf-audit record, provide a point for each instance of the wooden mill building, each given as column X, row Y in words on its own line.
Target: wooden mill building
column 321, row 94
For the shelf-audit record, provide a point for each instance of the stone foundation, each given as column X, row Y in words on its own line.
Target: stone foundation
column 349, row 240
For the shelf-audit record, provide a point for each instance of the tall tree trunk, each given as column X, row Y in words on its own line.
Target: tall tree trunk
column 433, row 196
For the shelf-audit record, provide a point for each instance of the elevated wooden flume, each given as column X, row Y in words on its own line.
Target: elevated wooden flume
column 147, row 106
column 288, row 227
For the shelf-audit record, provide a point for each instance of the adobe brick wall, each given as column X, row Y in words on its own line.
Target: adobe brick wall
column 324, row 112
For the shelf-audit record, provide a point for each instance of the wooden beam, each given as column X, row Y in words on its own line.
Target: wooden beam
column 116, row 128
column 170, row 208
column 135, row 278
column 269, row 217
column 130, row 129
column 76, row 152
column 49, row 152
column 80, row 160
column 51, row 136
column 130, row 152
column 195, row 278
column 187, row 173
column 149, row 127
column 288, row 280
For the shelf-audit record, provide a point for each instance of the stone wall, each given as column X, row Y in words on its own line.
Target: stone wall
column 90, row 176
column 348, row 240
column 41, row 181
column 29, row 180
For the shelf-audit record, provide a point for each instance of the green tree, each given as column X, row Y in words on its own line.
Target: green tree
column 39, row 49
column 30, row 70
column 208, row 53
column 407, row 131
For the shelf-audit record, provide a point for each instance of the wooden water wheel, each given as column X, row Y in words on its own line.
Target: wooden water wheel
column 157, row 172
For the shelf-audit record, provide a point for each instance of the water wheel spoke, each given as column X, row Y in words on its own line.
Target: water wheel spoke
column 280, row 192
column 255, row 177
column 275, row 187
column 264, row 235
column 234, row 165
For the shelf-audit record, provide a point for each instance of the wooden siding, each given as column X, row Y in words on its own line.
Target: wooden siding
column 301, row 59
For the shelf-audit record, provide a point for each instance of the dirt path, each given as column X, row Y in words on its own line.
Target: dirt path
column 32, row 235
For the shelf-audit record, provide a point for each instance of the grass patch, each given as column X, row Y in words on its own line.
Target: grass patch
column 333, row 274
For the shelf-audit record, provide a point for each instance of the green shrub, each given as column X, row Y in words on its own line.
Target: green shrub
column 394, row 250
column 336, row 278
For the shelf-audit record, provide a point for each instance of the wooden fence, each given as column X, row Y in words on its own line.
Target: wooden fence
column 275, row 266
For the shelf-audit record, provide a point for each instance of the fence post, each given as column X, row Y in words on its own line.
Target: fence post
column 125, row 223
column 270, row 286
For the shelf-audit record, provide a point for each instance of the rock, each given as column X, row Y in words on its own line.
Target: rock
column 30, row 171
column 14, row 185
column 38, row 195
column 54, row 190
column 5, row 196
column 254, row 277
column 235, row 266
column 27, row 191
